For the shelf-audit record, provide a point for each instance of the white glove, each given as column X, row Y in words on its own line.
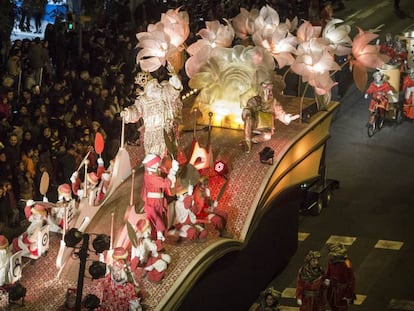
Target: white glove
column 207, row 192
column 80, row 193
column 124, row 113
column 100, row 162
column 289, row 118
column 327, row 282
column 174, row 167
column 45, row 199
column 366, row 96
column 190, row 189
column 176, row 82
column 73, row 177
column 213, row 207
column 172, row 178
column 299, row 302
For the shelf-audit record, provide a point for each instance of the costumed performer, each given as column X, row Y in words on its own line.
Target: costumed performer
column 27, row 242
column 268, row 301
column 78, row 187
column 339, row 278
column 154, row 186
column 119, row 293
column 408, row 89
column 5, row 255
column 379, row 90
column 206, row 209
column 185, row 220
column 309, row 285
column 158, row 105
column 149, row 255
column 259, row 113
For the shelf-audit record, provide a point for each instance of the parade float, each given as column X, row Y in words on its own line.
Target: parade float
column 255, row 172
column 234, row 127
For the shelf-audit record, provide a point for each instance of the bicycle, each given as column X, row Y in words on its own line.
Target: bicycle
column 376, row 121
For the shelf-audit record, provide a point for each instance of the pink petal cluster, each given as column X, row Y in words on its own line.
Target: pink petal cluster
column 365, row 54
column 163, row 41
column 214, row 35
column 314, row 63
column 338, row 37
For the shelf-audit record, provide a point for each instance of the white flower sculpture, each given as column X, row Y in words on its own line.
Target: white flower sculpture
column 163, row 41
column 214, row 65
column 214, row 35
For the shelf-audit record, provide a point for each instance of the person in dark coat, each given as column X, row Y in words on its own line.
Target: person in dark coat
column 339, row 278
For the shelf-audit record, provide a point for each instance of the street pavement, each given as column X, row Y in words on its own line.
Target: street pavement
column 372, row 212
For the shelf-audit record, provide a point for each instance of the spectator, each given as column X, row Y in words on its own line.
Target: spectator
column 27, row 159
column 6, row 169
column 38, row 59
column 12, row 150
column 12, row 212
column 26, row 183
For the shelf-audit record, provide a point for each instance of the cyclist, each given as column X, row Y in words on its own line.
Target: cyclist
column 379, row 89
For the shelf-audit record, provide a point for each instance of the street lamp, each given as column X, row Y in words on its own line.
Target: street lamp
column 97, row 270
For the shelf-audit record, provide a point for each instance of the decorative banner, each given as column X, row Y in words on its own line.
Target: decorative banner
column 44, row 183
column 99, row 143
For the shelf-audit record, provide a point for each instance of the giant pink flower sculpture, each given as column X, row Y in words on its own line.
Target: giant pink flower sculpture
column 278, row 42
column 314, row 63
column 243, row 23
column 163, row 41
column 338, row 37
column 365, row 56
column 214, row 35
column 176, row 25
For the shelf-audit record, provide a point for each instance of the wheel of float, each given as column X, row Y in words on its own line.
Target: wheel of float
column 328, row 197
column 317, row 208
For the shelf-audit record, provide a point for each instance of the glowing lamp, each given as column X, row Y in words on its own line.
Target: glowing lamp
column 220, row 167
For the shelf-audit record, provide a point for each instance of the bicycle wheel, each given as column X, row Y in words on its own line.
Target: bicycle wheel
column 371, row 129
column 380, row 122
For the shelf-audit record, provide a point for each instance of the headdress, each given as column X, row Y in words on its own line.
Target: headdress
column 337, row 250
column 120, row 253
column 142, row 78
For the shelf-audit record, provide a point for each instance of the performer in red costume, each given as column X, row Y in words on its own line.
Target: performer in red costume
column 185, row 220
column 379, row 90
column 309, row 287
column 408, row 89
column 152, row 194
column 339, row 279
column 118, row 293
column 5, row 255
column 205, row 208
column 27, row 242
column 149, row 255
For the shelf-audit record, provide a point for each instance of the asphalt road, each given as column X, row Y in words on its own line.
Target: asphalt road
column 373, row 209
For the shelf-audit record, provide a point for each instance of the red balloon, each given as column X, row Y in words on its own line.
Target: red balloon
column 99, row 143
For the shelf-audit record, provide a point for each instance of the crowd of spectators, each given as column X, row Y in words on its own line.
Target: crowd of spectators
column 54, row 98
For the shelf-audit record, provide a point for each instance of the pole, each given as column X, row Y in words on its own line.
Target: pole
column 122, row 133
column 83, row 255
